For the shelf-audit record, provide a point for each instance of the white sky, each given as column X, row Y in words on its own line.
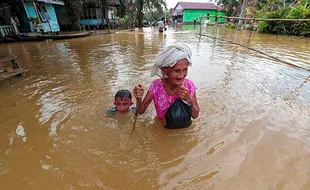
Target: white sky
column 172, row 3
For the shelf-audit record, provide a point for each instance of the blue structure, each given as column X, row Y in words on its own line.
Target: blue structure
column 95, row 15
column 40, row 15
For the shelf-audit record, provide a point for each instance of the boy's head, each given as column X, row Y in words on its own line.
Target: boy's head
column 123, row 100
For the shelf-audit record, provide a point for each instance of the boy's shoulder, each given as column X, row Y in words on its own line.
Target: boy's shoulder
column 113, row 110
column 133, row 108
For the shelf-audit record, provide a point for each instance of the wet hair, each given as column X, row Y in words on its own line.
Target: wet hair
column 123, row 94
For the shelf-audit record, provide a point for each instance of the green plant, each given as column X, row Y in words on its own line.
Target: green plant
column 300, row 11
column 34, row 20
column 262, row 26
column 211, row 23
column 249, row 27
column 230, row 25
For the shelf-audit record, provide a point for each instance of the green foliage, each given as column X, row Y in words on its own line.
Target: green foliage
column 300, row 11
column 211, row 24
column 124, row 22
column 230, row 25
column 249, row 27
column 262, row 27
column 34, row 20
column 150, row 10
column 152, row 6
column 75, row 11
column 153, row 15
column 232, row 7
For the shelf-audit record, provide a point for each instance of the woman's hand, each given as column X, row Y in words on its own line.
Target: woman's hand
column 141, row 106
column 138, row 92
column 184, row 94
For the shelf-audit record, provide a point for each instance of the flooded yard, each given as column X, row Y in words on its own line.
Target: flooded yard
column 253, row 131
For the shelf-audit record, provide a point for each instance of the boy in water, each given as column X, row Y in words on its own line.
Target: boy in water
column 123, row 102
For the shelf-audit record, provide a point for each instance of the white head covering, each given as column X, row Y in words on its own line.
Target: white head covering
column 169, row 57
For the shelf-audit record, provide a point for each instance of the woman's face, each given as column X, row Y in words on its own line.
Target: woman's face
column 177, row 73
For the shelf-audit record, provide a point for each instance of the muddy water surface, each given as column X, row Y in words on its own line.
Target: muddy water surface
column 253, row 131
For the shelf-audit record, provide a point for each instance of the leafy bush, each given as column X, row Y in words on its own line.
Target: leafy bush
column 286, row 27
column 211, row 23
column 262, row 27
column 125, row 22
column 249, row 27
column 230, row 25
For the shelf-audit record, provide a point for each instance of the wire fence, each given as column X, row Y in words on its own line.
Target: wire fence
column 249, row 37
column 253, row 19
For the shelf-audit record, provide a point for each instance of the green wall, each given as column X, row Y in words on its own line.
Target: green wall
column 190, row 15
column 221, row 13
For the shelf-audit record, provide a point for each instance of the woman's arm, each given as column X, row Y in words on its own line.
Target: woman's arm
column 142, row 105
column 195, row 106
column 184, row 95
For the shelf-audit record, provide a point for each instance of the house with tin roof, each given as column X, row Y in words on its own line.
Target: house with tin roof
column 188, row 12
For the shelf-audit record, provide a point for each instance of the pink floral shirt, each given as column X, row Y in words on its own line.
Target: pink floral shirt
column 162, row 100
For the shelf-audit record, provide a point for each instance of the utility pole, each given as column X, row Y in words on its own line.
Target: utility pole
column 242, row 14
column 165, row 15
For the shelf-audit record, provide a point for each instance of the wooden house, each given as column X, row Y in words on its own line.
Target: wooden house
column 40, row 16
column 97, row 14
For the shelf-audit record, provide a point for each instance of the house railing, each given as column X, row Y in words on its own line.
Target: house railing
column 7, row 31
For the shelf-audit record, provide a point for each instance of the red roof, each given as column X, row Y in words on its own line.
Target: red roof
column 188, row 5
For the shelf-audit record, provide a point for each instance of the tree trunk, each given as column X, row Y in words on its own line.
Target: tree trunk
column 242, row 14
column 140, row 13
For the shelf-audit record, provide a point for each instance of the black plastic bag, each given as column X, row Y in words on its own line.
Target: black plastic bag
column 178, row 115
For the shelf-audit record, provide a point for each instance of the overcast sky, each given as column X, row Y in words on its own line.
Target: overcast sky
column 172, row 3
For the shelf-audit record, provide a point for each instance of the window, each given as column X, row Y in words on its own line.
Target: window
column 44, row 16
column 90, row 13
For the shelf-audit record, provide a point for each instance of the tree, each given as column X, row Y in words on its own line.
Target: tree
column 149, row 5
column 75, row 11
column 104, row 5
column 121, row 10
column 232, row 7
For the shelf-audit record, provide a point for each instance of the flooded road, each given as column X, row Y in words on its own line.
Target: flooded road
column 253, row 131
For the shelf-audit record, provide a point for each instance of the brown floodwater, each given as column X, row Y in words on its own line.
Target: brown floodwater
column 253, row 131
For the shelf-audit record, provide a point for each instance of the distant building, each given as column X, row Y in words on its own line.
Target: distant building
column 95, row 13
column 8, row 22
column 29, row 15
column 40, row 16
column 190, row 12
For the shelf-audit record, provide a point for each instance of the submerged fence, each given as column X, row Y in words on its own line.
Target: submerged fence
column 253, row 19
column 249, row 37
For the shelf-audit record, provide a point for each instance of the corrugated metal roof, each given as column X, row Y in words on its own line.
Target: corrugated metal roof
column 57, row 2
column 194, row 5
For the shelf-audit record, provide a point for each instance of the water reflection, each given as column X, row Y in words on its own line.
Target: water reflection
column 254, row 115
